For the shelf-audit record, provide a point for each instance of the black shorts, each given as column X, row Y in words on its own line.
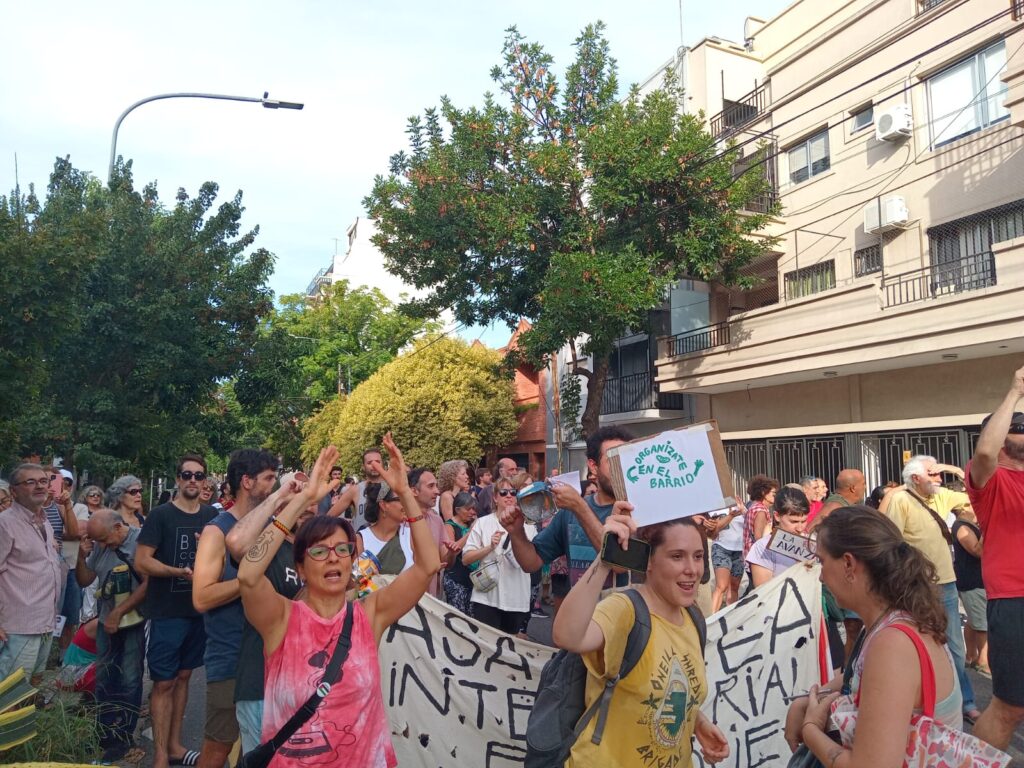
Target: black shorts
column 560, row 584
column 1006, row 649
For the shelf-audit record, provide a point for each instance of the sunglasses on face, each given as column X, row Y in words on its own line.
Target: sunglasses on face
column 92, row 495
column 506, row 492
column 134, row 491
column 342, row 549
column 186, row 475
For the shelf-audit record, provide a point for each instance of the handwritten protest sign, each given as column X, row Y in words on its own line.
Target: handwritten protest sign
column 678, row 473
column 459, row 693
column 791, row 545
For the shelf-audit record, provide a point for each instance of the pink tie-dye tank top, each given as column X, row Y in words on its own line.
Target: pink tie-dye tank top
column 350, row 728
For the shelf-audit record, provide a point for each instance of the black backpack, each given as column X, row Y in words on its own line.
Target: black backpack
column 560, row 714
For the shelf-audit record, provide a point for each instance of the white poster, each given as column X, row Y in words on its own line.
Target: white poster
column 670, row 475
column 791, row 545
column 761, row 652
column 459, row 693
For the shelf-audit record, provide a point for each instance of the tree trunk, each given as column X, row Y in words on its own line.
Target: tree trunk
column 595, row 392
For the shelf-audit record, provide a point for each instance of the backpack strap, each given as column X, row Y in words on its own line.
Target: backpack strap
column 636, row 644
column 697, row 616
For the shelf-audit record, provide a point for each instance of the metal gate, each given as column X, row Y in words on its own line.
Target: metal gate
column 880, row 455
column 786, row 459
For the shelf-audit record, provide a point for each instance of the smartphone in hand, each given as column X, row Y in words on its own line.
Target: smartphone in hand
column 633, row 559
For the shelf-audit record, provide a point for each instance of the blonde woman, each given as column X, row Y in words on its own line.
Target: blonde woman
column 452, row 478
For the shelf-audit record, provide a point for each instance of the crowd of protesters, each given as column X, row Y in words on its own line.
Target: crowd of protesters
column 251, row 579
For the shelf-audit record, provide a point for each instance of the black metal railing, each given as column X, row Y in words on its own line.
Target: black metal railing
column 867, row 260
column 1017, row 9
column 736, row 114
column 699, row 339
column 948, row 277
column 628, row 393
column 927, row 5
column 637, row 392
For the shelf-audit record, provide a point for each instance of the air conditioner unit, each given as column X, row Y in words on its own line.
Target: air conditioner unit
column 891, row 210
column 894, row 124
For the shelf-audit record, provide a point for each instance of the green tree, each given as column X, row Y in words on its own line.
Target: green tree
column 308, row 351
column 442, row 400
column 559, row 203
column 163, row 305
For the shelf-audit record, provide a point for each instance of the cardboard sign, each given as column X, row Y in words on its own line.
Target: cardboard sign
column 678, row 473
column 791, row 545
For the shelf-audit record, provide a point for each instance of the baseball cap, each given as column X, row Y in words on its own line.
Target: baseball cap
column 67, row 473
column 1016, row 423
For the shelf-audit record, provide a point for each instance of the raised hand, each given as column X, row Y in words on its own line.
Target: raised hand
column 320, row 483
column 622, row 526
column 396, row 474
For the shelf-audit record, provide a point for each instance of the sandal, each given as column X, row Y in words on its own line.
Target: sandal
column 191, row 757
column 981, row 669
column 971, row 716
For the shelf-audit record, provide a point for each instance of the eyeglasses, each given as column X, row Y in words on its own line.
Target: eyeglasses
column 342, row 549
column 134, row 491
column 506, row 492
column 186, row 475
column 34, row 482
column 95, row 495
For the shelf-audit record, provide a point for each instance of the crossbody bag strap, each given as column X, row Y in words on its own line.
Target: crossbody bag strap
column 124, row 559
column 331, row 675
column 927, row 671
column 935, row 516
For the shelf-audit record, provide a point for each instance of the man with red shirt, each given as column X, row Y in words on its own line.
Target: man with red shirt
column 995, row 483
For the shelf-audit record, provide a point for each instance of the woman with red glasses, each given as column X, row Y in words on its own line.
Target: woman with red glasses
column 124, row 496
column 349, row 727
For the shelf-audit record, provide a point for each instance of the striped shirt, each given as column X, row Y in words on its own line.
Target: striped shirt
column 30, row 573
column 55, row 520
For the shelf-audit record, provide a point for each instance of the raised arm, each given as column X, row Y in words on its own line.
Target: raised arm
column 524, row 550
column 265, row 609
column 245, row 533
column 567, row 497
column 84, row 575
column 992, row 437
column 385, row 606
column 574, row 628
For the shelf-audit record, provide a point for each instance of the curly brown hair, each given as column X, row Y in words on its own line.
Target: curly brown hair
column 900, row 574
column 760, row 486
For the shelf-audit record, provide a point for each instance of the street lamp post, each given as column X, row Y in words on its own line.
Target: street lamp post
column 266, row 102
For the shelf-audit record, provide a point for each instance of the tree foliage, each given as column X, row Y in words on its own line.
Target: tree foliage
column 308, row 352
column 557, row 202
column 442, row 400
column 128, row 315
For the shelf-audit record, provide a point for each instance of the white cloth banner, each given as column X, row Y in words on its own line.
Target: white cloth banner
column 459, row 693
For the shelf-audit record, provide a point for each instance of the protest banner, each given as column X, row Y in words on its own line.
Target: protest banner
column 459, row 693
column 791, row 545
column 677, row 473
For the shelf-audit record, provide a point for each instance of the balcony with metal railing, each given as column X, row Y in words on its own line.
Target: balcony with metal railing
column 741, row 112
column 948, row 277
column 956, row 306
column 636, row 392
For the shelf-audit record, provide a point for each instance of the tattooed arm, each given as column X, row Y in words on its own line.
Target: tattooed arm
column 265, row 609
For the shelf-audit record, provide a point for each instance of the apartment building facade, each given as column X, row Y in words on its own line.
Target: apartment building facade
column 889, row 319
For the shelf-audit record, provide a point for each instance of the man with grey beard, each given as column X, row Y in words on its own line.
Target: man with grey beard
column 919, row 510
column 995, row 483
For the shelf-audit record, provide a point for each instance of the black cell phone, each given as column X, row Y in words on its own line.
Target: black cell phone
column 633, row 559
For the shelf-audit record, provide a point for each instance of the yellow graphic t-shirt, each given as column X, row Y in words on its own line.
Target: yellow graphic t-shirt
column 653, row 710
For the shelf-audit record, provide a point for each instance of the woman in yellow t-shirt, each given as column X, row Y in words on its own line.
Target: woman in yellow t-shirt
column 655, row 710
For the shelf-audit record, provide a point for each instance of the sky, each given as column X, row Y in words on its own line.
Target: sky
column 360, row 68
